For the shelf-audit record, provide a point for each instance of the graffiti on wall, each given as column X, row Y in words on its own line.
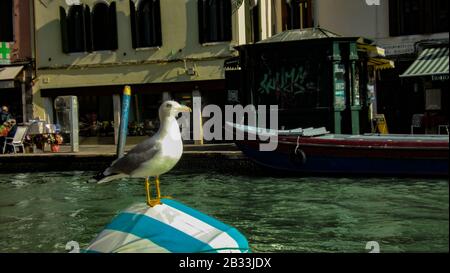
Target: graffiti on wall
column 288, row 83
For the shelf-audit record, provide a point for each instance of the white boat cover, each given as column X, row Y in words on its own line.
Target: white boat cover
column 168, row 228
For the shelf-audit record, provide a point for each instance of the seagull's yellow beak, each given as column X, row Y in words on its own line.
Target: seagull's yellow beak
column 184, row 108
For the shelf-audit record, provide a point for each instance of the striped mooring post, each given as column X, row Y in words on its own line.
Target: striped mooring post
column 123, row 130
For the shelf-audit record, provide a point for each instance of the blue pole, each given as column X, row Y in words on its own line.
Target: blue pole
column 123, row 130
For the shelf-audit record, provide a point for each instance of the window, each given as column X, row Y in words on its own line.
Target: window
column 256, row 31
column 6, row 21
column 104, row 27
column 76, row 29
column 440, row 16
column 146, row 23
column 214, row 17
column 82, row 31
column 73, row 28
column 297, row 14
column 409, row 17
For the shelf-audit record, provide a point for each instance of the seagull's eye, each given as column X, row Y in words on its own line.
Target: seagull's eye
column 168, row 106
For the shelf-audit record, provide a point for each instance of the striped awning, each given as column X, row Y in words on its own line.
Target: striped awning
column 432, row 61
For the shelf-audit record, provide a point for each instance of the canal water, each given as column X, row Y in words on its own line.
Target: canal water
column 41, row 212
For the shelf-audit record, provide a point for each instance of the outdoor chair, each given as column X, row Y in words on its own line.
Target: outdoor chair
column 17, row 140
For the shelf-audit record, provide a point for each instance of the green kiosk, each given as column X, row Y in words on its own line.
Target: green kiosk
column 316, row 77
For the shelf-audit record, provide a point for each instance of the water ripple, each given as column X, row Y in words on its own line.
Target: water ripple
column 42, row 212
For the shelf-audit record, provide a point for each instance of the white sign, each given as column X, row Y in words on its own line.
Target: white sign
column 440, row 77
column 373, row 2
column 399, row 49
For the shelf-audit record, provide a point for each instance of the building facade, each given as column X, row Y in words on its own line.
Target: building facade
column 404, row 28
column 162, row 49
column 16, row 57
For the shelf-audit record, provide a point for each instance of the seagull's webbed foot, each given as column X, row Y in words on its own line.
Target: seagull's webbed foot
column 154, row 202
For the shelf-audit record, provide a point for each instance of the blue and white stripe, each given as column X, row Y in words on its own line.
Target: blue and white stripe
column 170, row 227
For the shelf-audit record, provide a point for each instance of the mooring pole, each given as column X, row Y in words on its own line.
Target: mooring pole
column 124, row 121
column 74, row 129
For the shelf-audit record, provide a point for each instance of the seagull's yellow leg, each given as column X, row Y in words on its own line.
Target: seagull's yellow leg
column 158, row 191
column 153, row 202
column 147, row 191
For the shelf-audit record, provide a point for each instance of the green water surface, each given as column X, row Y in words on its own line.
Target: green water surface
column 41, row 212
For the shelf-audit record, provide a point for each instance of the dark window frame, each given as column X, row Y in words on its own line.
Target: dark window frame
column 214, row 21
column 297, row 14
column 256, row 23
column 145, row 17
column 77, row 31
column 412, row 17
column 104, row 27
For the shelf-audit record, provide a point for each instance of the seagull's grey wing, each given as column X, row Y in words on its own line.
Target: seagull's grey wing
column 135, row 157
column 147, row 144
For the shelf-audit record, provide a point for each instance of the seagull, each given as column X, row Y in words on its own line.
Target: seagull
column 154, row 156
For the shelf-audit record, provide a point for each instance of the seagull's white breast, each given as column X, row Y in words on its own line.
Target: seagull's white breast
column 170, row 153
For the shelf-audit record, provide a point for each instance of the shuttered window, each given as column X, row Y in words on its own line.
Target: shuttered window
column 410, row 17
column 104, row 26
column 214, row 18
column 146, row 23
column 84, row 31
column 76, row 29
column 256, row 24
column 297, row 14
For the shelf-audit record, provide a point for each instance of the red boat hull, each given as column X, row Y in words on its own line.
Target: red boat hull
column 342, row 154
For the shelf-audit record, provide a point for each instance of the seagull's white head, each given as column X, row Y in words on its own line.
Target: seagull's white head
column 171, row 109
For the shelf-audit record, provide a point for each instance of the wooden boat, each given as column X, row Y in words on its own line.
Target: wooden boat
column 316, row 151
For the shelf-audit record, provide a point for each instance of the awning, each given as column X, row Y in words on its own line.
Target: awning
column 380, row 63
column 375, row 55
column 374, row 50
column 432, row 61
column 8, row 75
column 371, row 49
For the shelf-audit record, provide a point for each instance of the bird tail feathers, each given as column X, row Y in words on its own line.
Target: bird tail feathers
column 101, row 178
